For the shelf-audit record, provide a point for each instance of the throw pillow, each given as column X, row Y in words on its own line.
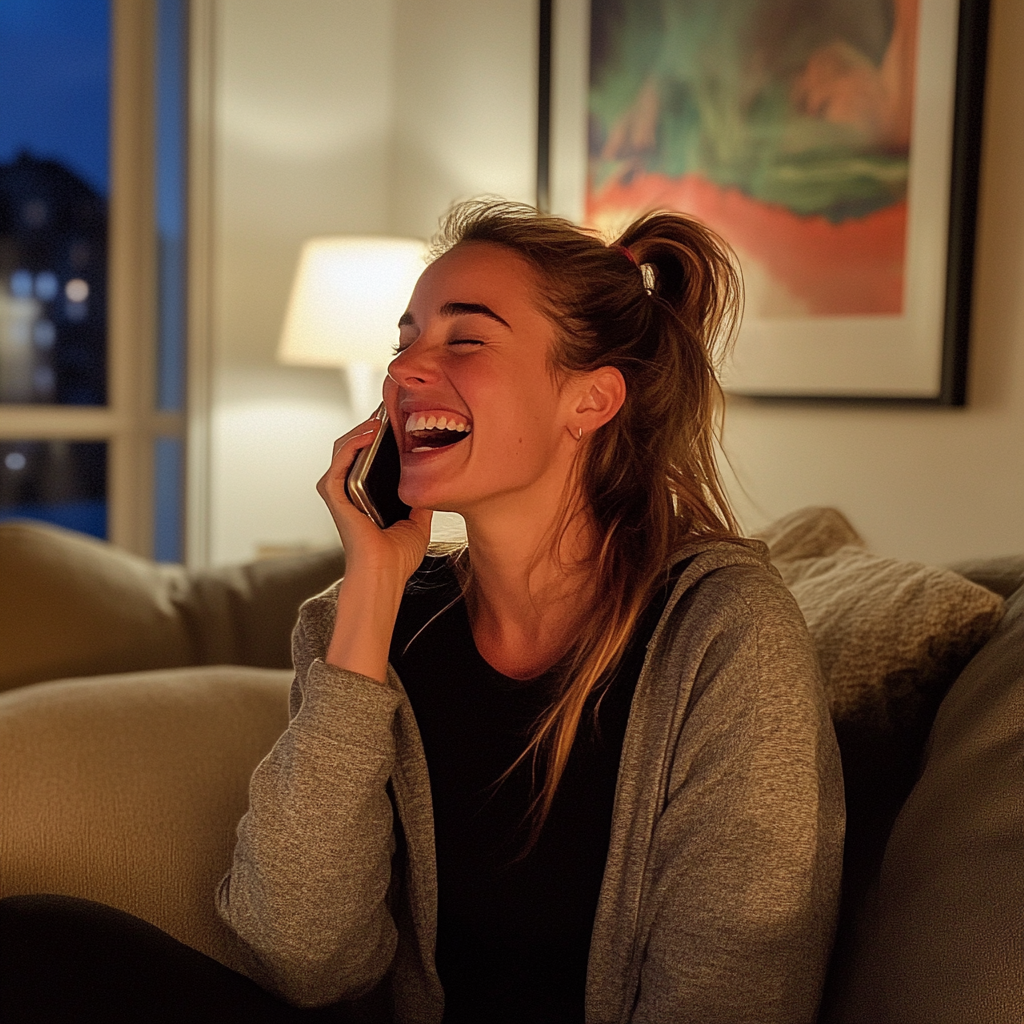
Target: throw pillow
column 891, row 636
column 808, row 533
column 71, row 605
column 260, row 600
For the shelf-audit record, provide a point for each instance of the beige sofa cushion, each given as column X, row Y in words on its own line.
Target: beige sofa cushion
column 73, row 606
column 127, row 789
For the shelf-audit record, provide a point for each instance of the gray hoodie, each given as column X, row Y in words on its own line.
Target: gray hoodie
column 721, row 886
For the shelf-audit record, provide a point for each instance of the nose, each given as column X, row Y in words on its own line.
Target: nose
column 413, row 365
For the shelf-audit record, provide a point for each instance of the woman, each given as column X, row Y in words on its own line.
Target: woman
column 583, row 770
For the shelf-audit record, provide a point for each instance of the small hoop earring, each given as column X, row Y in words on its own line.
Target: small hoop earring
column 580, row 438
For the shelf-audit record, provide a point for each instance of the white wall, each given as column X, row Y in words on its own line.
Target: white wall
column 303, row 107
column 342, row 116
column 336, row 117
column 465, row 118
column 929, row 484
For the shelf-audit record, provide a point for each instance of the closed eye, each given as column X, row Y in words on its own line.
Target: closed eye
column 399, row 348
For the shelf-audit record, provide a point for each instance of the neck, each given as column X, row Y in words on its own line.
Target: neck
column 530, row 587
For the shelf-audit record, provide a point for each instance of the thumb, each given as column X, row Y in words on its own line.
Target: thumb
column 422, row 517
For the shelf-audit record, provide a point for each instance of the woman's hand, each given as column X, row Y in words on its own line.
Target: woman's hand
column 368, row 548
column 377, row 565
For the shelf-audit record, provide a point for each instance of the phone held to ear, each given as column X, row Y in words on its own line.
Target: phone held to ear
column 372, row 482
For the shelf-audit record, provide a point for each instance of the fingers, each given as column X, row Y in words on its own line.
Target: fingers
column 366, row 429
column 332, row 484
column 407, row 540
column 348, row 446
column 344, row 453
column 403, row 544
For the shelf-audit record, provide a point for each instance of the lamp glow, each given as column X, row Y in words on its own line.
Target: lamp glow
column 346, row 300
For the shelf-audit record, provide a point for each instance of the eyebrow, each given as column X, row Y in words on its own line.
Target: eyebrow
column 458, row 309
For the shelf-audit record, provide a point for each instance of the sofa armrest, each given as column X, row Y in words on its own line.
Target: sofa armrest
column 128, row 789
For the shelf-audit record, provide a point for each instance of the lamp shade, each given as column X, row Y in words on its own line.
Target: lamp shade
column 346, row 299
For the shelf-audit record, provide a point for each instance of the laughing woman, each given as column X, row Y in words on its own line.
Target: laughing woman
column 582, row 770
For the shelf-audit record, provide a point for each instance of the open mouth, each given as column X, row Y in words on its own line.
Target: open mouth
column 427, row 431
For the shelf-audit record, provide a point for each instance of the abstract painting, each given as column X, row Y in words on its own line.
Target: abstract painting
column 820, row 138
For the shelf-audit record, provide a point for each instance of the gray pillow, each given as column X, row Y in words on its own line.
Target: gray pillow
column 892, row 636
column 1002, row 575
column 945, row 942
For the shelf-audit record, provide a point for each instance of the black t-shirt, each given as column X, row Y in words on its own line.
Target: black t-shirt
column 514, row 924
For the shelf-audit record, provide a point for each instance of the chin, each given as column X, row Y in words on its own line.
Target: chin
column 427, row 483
column 418, row 494
column 429, row 498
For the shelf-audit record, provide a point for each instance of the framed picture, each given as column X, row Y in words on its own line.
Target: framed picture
column 833, row 144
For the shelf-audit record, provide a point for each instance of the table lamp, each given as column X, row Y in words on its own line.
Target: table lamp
column 345, row 303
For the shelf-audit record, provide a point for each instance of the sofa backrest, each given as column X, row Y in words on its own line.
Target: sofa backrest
column 940, row 939
column 72, row 606
column 893, row 637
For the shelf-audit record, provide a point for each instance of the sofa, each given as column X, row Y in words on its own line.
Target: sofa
column 136, row 700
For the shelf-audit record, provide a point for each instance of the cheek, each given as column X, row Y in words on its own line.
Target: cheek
column 516, row 410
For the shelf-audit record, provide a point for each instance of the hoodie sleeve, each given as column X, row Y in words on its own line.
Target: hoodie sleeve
column 307, row 890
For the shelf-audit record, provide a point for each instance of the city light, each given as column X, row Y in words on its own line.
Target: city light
column 47, row 285
column 21, row 284
column 76, row 290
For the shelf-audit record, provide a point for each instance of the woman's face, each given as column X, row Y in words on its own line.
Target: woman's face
column 474, row 356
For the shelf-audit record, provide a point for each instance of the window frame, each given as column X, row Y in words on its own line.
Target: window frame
column 130, row 423
column 199, row 263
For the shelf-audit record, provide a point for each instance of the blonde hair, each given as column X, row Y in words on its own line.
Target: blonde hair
column 659, row 304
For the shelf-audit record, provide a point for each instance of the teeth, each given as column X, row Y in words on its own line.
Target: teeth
column 418, row 421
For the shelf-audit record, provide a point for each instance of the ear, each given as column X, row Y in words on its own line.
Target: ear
column 600, row 394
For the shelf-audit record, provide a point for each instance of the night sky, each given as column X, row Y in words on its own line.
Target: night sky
column 55, row 84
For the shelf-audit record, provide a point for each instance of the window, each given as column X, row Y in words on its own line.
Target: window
column 92, row 268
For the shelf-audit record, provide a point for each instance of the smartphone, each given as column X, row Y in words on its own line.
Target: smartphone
column 372, row 482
